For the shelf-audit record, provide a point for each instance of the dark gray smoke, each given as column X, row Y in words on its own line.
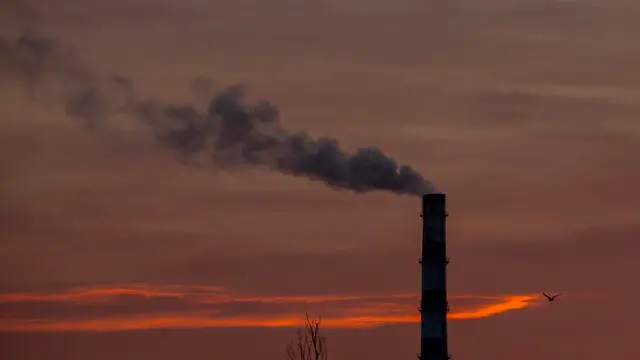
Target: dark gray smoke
column 230, row 130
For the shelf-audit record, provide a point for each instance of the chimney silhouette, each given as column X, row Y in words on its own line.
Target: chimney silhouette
column 433, row 304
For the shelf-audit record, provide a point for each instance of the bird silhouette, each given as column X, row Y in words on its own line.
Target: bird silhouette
column 550, row 297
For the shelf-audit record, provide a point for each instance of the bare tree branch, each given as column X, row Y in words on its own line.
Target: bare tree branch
column 310, row 343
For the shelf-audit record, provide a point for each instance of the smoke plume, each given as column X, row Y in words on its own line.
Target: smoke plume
column 229, row 130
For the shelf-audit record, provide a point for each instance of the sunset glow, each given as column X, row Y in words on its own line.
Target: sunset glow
column 210, row 307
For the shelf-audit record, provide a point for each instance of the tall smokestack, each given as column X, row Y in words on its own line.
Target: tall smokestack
column 433, row 304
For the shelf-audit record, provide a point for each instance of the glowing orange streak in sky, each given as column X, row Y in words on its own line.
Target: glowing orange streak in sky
column 394, row 315
column 197, row 293
column 205, row 295
column 87, row 295
column 508, row 303
column 105, row 293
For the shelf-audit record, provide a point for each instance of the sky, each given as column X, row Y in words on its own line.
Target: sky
column 523, row 112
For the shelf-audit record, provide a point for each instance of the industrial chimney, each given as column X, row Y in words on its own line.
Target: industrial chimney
column 433, row 304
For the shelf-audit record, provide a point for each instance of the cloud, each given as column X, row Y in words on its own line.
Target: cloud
column 147, row 306
column 562, row 264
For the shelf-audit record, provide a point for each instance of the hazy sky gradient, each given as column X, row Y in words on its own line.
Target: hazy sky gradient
column 523, row 112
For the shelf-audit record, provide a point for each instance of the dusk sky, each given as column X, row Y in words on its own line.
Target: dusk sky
column 524, row 112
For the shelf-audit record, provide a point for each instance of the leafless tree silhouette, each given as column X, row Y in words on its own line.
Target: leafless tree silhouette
column 310, row 344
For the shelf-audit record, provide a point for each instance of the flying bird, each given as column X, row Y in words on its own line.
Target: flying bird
column 551, row 297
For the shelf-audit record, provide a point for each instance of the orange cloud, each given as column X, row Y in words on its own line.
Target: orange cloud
column 506, row 303
column 193, row 293
column 201, row 307
column 87, row 294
